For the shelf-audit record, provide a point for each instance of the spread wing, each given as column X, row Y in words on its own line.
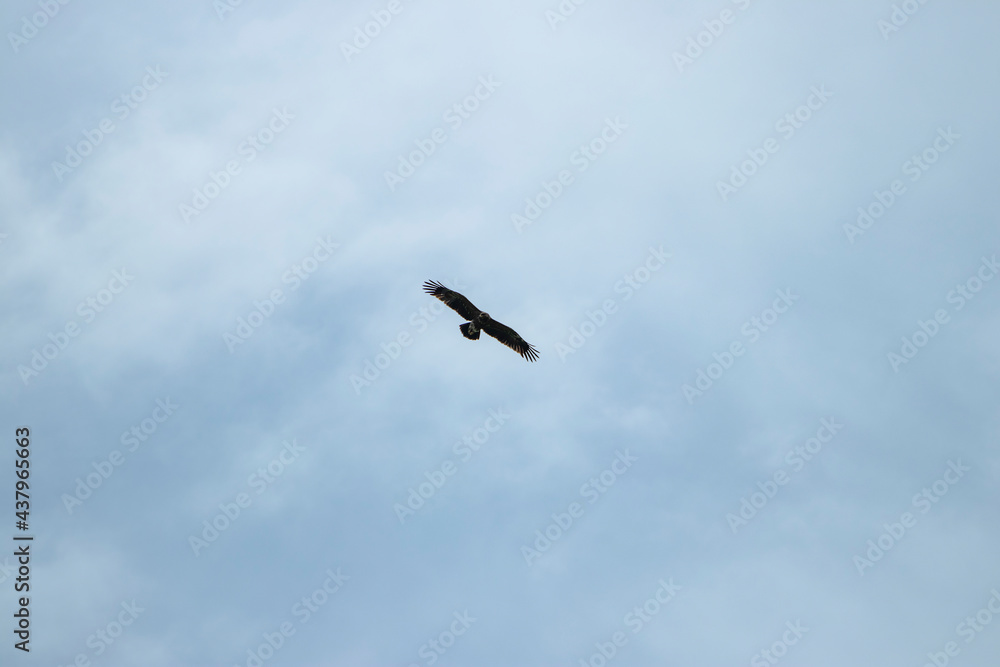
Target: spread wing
column 511, row 339
column 453, row 300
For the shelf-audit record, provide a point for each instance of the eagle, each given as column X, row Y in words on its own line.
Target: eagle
column 480, row 321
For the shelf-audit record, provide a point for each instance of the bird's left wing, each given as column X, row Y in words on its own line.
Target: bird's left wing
column 452, row 299
column 511, row 339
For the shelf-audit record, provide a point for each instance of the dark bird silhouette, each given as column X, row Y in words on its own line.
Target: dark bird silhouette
column 480, row 321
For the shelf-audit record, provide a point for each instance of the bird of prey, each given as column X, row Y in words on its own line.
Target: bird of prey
column 480, row 321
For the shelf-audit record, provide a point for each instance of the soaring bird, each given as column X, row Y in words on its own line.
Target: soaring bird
column 480, row 321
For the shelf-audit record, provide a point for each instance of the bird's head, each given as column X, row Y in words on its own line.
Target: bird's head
column 484, row 317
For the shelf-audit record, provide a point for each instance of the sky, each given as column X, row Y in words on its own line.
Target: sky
column 755, row 245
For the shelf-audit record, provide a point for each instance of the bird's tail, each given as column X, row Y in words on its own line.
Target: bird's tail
column 468, row 331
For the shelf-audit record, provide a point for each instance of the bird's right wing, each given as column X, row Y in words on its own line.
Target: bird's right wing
column 452, row 299
column 511, row 339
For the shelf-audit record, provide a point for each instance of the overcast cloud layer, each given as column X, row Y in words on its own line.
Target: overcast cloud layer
column 756, row 246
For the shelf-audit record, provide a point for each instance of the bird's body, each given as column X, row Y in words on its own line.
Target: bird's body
column 471, row 330
column 480, row 321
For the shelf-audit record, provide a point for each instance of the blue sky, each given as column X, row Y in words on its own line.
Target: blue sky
column 755, row 246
